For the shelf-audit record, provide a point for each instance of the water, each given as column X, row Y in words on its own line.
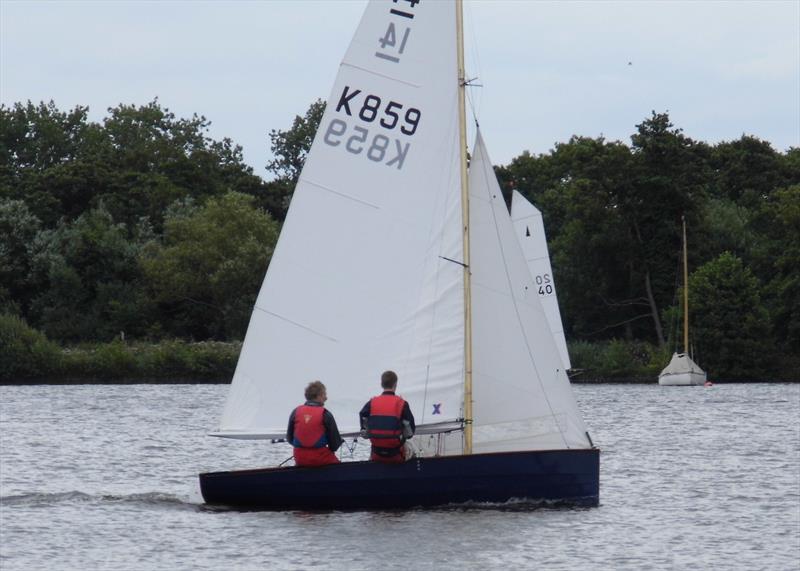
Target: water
column 104, row 477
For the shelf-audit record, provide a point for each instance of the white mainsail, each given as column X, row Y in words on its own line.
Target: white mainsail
column 366, row 275
column 522, row 396
column 529, row 227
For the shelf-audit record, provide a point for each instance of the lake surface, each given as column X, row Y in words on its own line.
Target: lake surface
column 105, row 477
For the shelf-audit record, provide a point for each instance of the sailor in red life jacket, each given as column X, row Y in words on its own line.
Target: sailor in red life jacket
column 387, row 421
column 312, row 430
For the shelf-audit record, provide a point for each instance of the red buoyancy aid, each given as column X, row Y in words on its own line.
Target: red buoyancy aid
column 385, row 427
column 309, row 430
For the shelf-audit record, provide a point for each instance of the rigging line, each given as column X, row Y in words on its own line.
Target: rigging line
column 674, row 324
column 425, row 389
column 474, row 52
column 469, row 99
column 516, row 305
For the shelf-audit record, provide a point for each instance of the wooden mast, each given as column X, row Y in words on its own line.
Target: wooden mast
column 685, row 291
column 462, row 143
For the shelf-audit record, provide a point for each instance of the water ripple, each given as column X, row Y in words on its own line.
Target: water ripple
column 690, row 479
column 156, row 499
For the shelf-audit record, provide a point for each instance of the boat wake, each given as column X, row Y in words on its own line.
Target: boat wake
column 150, row 499
column 521, row 505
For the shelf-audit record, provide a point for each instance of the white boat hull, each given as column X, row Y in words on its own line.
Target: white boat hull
column 682, row 379
column 682, row 372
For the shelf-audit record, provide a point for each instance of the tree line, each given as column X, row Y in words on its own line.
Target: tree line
column 613, row 217
column 143, row 226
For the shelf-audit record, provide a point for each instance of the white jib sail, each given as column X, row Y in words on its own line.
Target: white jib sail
column 529, row 227
column 366, row 275
column 522, row 396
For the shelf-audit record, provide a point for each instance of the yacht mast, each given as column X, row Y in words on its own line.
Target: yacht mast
column 462, row 143
column 685, row 291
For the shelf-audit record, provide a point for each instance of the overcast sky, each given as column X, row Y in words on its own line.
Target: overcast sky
column 548, row 69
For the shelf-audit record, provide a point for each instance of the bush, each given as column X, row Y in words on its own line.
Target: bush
column 178, row 359
column 166, row 360
column 617, row 359
column 25, row 352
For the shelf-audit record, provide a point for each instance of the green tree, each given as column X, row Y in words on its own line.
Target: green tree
column 777, row 261
column 290, row 149
column 730, row 331
column 38, row 137
column 613, row 215
column 137, row 162
column 724, row 226
column 669, row 179
column 790, row 166
column 18, row 228
column 99, row 190
column 207, row 272
column 160, row 158
column 25, row 352
column 87, row 274
column 42, row 159
column 745, row 170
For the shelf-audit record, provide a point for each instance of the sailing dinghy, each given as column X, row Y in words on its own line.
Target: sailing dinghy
column 393, row 257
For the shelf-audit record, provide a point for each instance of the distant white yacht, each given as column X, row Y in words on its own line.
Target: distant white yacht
column 682, row 370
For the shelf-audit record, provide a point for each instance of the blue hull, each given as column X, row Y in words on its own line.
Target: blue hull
column 563, row 476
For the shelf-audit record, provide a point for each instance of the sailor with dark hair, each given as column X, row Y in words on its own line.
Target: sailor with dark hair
column 387, row 421
column 312, row 430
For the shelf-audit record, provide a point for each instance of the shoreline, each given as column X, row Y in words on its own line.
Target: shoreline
column 217, row 381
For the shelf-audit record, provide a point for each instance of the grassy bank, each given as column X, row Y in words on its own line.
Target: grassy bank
column 615, row 361
column 28, row 357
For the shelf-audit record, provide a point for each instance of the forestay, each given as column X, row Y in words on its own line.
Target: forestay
column 366, row 275
column 529, row 227
column 522, row 396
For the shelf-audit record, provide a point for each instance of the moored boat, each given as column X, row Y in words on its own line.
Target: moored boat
column 682, row 370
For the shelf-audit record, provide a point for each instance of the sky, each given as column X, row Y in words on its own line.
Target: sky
column 548, row 70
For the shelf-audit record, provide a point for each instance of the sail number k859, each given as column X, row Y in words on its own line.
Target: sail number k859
column 391, row 116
